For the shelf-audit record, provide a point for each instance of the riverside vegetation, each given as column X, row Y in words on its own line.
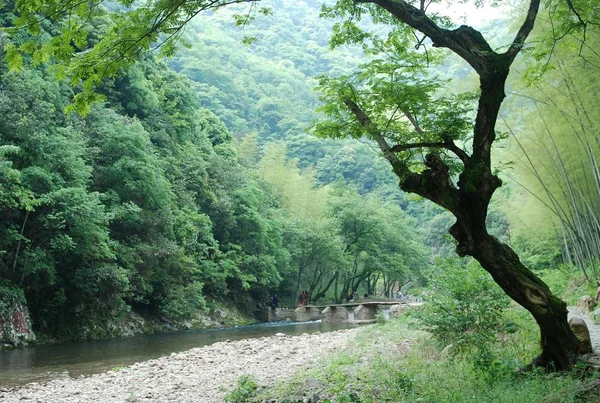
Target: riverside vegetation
column 452, row 349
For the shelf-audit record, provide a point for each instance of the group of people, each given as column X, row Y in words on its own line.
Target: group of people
column 274, row 302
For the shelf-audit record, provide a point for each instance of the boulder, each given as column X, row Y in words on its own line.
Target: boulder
column 15, row 323
column 581, row 331
column 586, row 304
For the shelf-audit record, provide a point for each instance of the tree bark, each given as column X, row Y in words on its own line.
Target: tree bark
column 558, row 342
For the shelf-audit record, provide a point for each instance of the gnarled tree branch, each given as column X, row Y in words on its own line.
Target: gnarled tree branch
column 448, row 145
column 399, row 168
column 434, row 183
column 465, row 41
column 523, row 32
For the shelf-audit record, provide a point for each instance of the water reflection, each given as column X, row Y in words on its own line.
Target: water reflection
column 82, row 358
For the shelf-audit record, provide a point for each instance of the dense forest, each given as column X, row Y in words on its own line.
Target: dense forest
column 198, row 178
column 173, row 193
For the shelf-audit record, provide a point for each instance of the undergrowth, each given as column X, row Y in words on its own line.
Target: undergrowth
column 395, row 362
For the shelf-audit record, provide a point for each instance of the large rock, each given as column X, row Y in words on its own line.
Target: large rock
column 586, row 304
column 334, row 314
column 581, row 331
column 15, row 323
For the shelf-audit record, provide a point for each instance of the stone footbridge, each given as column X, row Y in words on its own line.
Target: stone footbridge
column 355, row 312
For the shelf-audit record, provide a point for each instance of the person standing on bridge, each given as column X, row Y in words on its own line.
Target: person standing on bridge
column 304, row 298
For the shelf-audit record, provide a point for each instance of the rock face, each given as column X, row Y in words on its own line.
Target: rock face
column 15, row 323
column 581, row 331
column 586, row 304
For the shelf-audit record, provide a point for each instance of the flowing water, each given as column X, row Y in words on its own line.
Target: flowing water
column 34, row 364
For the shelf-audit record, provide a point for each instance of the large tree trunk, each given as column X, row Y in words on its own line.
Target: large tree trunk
column 559, row 344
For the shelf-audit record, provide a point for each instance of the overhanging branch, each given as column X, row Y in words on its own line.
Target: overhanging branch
column 434, row 183
column 524, row 31
column 465, row 41
column 399, row 168
column 448, row 145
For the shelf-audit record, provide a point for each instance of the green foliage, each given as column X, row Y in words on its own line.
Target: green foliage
column 463, row 306
column 244, row 391
column 142, row 204
column 9, row 295
column 183, row 301
column 554, row 155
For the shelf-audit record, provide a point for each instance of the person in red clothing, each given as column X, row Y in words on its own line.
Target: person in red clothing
column 304, row 298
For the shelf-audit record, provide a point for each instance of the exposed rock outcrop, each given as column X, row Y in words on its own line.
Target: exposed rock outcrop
column 15, row 322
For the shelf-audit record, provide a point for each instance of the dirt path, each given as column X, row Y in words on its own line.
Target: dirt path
column 197, row 375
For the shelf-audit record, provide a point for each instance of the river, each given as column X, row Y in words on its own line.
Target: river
column 34, row 364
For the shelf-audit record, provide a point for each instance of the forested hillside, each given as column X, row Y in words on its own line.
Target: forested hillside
column 172, row 194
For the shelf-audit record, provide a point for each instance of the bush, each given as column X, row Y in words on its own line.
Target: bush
column 464, row 306
column 567, row 282
column 244, row 392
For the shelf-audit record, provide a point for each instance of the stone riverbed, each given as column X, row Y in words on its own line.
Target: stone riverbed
column 197, row 375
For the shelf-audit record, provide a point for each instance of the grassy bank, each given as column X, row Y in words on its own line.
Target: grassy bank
column 395, row 362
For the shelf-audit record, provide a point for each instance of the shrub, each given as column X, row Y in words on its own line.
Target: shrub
column 464, row 305
column 244, row 391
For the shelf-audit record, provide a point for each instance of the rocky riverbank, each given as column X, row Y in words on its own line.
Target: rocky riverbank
column 198, row 375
